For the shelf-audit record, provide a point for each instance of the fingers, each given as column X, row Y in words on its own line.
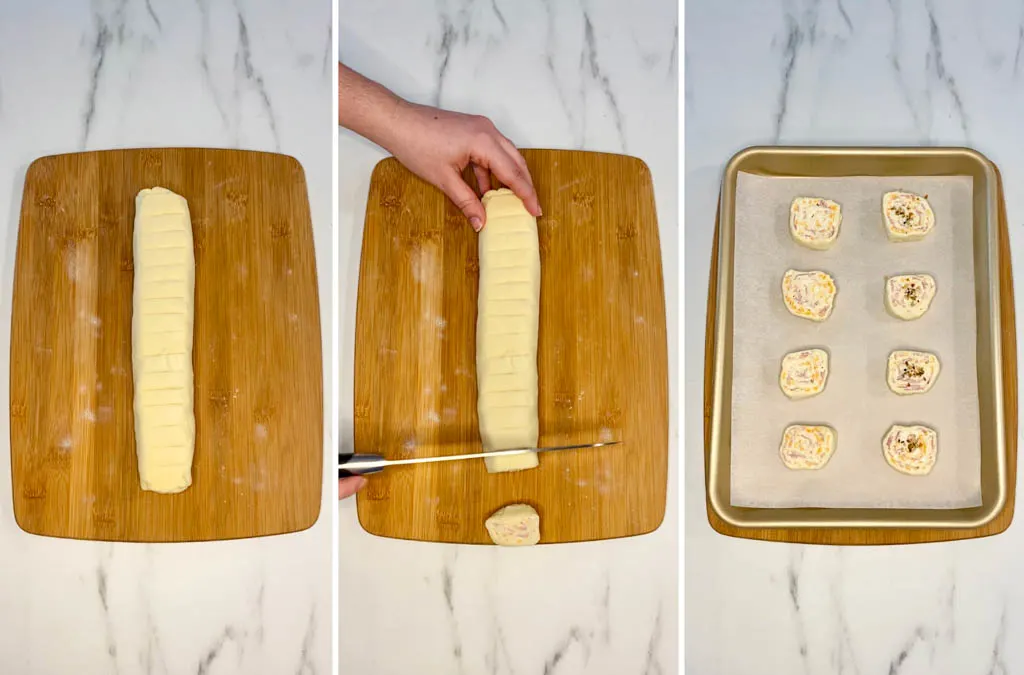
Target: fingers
column 349, row 486
column 463, row 197
column 509, row 171
column 516, row 156
column 483, row 178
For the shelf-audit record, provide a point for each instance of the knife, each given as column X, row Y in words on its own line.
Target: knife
column 352, row 464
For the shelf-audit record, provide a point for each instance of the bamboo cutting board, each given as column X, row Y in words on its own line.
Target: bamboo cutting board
column 602, row 358
column 256, row 354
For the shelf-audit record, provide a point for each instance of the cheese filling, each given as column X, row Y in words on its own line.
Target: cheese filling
column 909, row 296
column 804, row 373
column 814, row 222
column 907, row 216
column 807, row 447
column 912, row 450
column 809, row 295
column 911, row 372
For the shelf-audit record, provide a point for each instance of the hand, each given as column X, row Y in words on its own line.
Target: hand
column 437, row 145
column 350, row 485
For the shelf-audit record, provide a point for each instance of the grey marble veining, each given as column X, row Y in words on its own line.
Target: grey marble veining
column 550, row 74
column 896, row 72
column 159, row 73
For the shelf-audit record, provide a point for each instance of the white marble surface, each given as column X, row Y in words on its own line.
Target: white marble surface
column 867, row 72
column 596, row 76
column 77, row 76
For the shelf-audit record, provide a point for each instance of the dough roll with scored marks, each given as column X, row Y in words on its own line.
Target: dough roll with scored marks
column 162, row 317
column 507, row 326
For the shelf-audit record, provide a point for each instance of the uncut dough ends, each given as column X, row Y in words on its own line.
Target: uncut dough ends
column 163, row 308
column 508, row 322
column 514, row 525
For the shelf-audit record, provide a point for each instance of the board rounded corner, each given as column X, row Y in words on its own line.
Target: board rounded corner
column 382, row 165
column 37, row 165
column 295, row 165
column 309, row 521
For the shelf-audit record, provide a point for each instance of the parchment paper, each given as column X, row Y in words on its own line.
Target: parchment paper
column 858, row 336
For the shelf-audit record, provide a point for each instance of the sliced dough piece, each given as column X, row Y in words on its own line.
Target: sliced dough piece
column 507, row 326
column 814, row 222
column 911, row 372
column 908, row 296
column 514, row 525
column 911, row 449
column 163, row 306
column 804, row 373
column 807, row 447
column 907, row 216
column 809, row 295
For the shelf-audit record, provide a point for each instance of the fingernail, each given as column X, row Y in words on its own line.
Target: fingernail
column 476, row 223
column 540, row 212
column 360, row 484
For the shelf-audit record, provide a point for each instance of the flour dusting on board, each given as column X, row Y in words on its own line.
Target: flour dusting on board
column 260, row 432
column 605, row 435
column 424, row 267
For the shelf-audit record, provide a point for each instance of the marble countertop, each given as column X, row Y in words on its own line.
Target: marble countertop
column 549, row 75
column 157, row 73
column 893, row 73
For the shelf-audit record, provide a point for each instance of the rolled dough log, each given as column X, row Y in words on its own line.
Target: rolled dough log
column 162, row 316
column 507, row 324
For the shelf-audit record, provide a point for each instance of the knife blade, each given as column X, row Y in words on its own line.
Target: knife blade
column 362, row 464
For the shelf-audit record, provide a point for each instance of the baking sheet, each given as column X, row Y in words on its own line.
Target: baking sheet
column 858, row 336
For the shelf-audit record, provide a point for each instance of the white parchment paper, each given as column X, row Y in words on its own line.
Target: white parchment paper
column 858, row 336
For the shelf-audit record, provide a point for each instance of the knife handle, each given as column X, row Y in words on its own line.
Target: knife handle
column 352, row 464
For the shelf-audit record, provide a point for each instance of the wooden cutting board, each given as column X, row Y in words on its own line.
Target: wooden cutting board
column 602, row 357
column 256, row 354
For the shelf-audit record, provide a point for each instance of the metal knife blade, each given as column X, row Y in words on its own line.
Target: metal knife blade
column 351, row 464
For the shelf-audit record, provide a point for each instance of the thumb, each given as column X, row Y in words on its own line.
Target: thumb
column 349, row 486
column 463, row 197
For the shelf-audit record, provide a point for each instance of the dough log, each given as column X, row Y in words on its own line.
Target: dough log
column 507, row 325
column 162, row 315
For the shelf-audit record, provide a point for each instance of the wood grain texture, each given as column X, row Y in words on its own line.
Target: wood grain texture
column 602, row 359
column 880, row 536
column 256, row 354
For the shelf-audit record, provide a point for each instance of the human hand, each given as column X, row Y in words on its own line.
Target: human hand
column 349, row 486
column 437, row 145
